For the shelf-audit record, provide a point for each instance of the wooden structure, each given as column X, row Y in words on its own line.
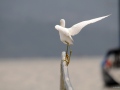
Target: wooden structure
column 65, row 83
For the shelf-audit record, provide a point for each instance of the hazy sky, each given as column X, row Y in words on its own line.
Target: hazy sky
column 27, row 27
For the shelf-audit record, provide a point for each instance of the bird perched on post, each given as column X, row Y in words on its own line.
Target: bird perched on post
column 67, row 33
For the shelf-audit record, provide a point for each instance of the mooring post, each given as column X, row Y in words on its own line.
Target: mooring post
column 65, row 83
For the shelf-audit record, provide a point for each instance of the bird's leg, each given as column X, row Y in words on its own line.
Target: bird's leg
column 70, row 54
column 67, row 58
column 70, row 51
column 67, row 49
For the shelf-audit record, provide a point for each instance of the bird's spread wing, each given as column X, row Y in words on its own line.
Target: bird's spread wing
column 75, row 29
column 62, row 22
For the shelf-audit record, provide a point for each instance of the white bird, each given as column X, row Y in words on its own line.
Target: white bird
column 67, row 33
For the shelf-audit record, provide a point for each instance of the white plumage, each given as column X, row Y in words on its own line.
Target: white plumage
column 67, row 33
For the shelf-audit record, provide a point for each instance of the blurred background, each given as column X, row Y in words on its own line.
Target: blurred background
column 27, row 27
column 30, row 47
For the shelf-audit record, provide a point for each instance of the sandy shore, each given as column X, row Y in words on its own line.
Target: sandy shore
column 44, row 74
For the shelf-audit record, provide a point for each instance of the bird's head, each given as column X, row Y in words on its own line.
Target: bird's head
column 57, row 27
column 60, row 28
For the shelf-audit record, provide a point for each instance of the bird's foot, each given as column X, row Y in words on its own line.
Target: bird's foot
column 67, row 59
